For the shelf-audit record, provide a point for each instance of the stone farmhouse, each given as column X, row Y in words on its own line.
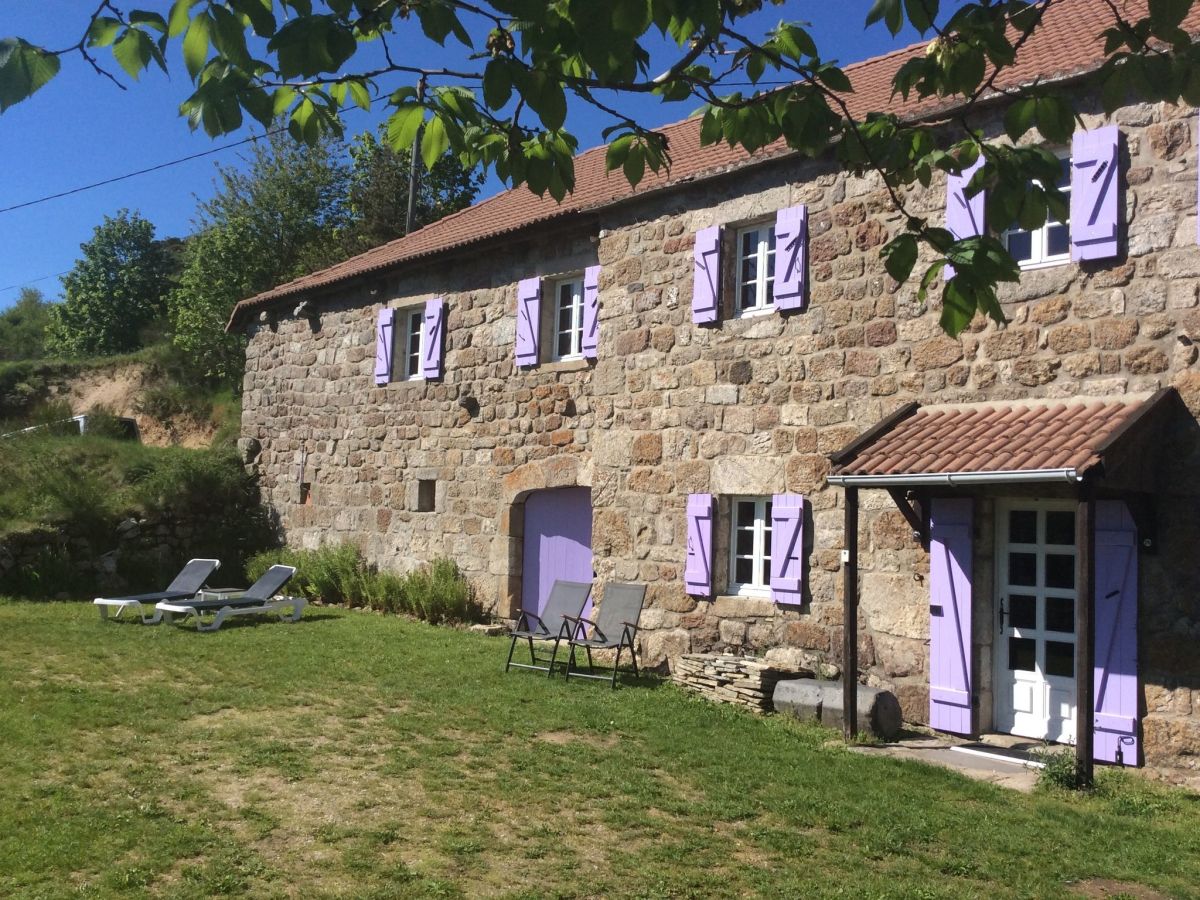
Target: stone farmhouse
column 710, row 385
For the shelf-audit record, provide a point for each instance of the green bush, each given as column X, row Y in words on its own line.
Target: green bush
column 1060, row 770
column 339, row 574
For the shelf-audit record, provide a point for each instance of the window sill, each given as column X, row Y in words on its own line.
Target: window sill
column 562, row 365
column 755, row 313
column 1045, row 264
column 738, row 592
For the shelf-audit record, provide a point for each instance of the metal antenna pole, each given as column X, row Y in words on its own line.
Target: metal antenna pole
column 412, row 165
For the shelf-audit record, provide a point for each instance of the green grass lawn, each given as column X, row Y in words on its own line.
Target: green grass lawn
column 359, row 755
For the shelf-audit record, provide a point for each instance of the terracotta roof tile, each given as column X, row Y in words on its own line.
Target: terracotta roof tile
column 1068, row 44
column 994, row 437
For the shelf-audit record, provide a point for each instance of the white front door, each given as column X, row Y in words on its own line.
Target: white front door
column 1035, row 644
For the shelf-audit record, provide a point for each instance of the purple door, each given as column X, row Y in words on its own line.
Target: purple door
column 558, row 543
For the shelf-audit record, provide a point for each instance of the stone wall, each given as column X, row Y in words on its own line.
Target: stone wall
column 753, row 405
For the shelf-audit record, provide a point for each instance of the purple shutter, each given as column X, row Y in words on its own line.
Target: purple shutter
column 1116, row 677
column 791, row 258
column 1095, row 183
column 697, row 575
column 384, row 328
column 787, row 548
column 706, row 287
column 434, row 338
column 950, row 531
column 591, row 311
column 964, row 215
column 529, row 304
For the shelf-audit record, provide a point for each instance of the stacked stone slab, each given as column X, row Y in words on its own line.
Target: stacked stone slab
column 725, row 678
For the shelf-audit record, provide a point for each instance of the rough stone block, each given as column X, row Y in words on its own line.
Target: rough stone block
column 805, row 698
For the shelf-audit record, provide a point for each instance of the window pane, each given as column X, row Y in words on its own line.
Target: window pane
column 564, row 343
column 1060, row 571
column 1022, row 654
column 744, row 543
column 750, row 243
column 1058, row 240
column 1022, row 526
column 745, row 513
column 1022, row 568
column 767, row 542
column 749, row 296
column 1060, row 659
column 743, row 571
column 1060, row 528
column 1022, row 611
column 1060, row 614
column 1020, row 245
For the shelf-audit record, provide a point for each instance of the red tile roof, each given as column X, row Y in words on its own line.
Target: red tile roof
column 992, row 438
column 1068, row 44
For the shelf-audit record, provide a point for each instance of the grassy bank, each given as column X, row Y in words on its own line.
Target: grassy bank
column 367, row 756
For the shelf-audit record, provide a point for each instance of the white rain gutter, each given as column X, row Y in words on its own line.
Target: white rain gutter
column 956, row 479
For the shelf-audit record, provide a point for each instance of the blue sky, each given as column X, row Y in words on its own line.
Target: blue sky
column 82, row 129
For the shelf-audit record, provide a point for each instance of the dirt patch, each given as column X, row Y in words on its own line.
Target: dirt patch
column 1106, row 887
column 561, row 738
column 119, row 389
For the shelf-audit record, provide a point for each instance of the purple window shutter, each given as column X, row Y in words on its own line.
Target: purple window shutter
column 791, row 258
column 1095, row 184
column 697, row 574
column 529, row 304
column 1116, row 677
column 383, row 345
column 706, row 288
column 787, row 548
column 591, row 311
column 950, row 531
column 964, row 215
column 434, row 338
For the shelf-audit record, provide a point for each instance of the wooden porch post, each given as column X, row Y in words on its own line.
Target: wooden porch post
column 1085, row 632
column 850, row 617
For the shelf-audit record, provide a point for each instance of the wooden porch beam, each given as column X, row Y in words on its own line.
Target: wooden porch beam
column 1085, row 633
column 914, row 509
column 850, row 617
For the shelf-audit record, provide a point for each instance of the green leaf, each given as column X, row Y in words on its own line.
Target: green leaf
column 921, row 13
column 497, row 84
column 899, row 256
column 133, row 51
column 152, row 19
column 635, row 164
column 177, row 21
column 195, row 44
column 434, row 142
column 1020, row 116
column 229, row 38
column 888, row 11
column 958, row 307
column 262, row 19
column 24, row 70
column 360, row 94
column 103, row 31
column 618, row 152
column 545, row 96
column 404, row 124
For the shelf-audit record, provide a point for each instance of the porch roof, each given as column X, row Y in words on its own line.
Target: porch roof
column 994, row 443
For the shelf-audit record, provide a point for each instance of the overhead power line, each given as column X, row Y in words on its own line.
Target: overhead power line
column 147, row 171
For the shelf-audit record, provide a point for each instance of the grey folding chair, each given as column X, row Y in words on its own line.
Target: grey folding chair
column 614, row 627
column 566, row 601
column 187, row 584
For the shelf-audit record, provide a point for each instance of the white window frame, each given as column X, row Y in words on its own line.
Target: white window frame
column 764, row 278
column 574, row 284
column 1040, row 257
column 760, row 585
column 411, row 318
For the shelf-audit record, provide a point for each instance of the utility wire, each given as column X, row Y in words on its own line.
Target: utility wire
column 13, row 287
column 147, row 171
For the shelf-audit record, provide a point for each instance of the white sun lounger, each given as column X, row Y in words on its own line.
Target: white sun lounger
column 186, row 585
column 260, row 597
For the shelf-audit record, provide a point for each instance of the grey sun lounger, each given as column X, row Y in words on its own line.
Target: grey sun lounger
column 261, row 597
column 614, row 627
column 566, row 600
column 187, row 584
